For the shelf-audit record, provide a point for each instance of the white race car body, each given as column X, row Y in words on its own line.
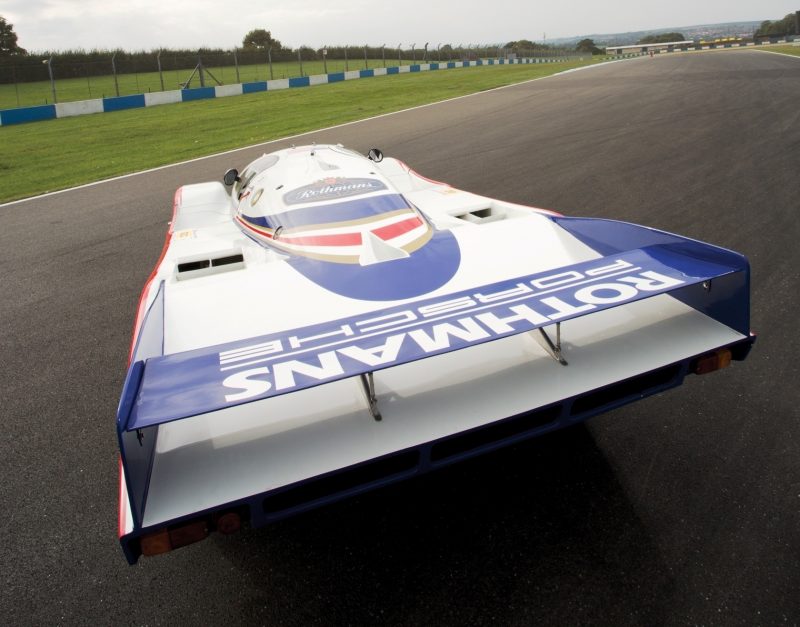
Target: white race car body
column 336, row 323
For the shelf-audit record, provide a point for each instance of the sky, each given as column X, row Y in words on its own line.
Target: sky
column 55, row 25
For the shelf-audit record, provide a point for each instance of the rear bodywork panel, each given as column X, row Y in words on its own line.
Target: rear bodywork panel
column 281, row 362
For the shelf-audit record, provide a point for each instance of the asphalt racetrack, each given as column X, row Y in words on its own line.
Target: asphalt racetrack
column 681, row 509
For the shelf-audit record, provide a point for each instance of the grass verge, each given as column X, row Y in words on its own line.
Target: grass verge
column 48, row 156
column 793, row 50
column 70, row 89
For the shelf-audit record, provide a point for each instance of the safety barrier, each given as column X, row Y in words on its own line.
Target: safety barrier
column 105, row 105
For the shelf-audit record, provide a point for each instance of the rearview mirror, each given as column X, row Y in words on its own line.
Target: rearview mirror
column 231, row 176
column 375, row 155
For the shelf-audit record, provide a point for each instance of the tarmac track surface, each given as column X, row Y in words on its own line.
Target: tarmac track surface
column 679, row 509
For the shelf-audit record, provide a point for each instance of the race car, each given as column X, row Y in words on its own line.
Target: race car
column 325, row 323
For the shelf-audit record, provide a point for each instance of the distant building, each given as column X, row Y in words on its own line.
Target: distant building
column 669, row 46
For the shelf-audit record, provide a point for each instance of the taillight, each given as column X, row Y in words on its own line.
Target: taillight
column 168, row 538
column 165, row 540
column 228, row 523
column 156, row 543
column 710, row 362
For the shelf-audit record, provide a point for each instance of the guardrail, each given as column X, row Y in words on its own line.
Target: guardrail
column 104, row 105
column 701, row 46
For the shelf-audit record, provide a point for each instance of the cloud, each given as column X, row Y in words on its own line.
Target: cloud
column 149, row 24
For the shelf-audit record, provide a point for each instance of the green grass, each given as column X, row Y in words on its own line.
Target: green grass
column 52, row 155
column 71, row 89
column 793, row 50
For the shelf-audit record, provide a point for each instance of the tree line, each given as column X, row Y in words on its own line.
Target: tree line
column 662, row 38
column 258, row 47
column 778, row 28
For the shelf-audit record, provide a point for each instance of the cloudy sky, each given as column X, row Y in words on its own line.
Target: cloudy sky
column 149, row 24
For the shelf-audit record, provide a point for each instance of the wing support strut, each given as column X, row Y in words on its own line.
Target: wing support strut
column 368, row 382
column 553, row 349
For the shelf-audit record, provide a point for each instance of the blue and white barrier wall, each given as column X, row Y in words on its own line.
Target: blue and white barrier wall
column 136, row 101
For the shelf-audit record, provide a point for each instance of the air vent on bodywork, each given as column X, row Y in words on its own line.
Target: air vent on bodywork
column 482, row 215
column 191, row 266
column 212, row 264
column 489, row 211
column 226, row 261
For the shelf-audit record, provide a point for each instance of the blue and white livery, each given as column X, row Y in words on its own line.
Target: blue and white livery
column 332, row 323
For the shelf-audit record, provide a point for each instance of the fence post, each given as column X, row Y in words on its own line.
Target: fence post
column 325, row 59
column 413, row 54
column 114, row 70
column 49, row 63
column 300, row 59
column 236, row 63
column 399, row 53
column 383, row 54
column 346, row 64
column 366, row 64
column 160, row 73
column 269, row 57
column 16, row 85
column 425, row 54
column 200, row 70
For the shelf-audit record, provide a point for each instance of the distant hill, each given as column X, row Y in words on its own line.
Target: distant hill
column 696, row 32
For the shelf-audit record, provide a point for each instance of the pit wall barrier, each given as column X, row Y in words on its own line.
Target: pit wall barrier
column 137, row 101
column 701, row 46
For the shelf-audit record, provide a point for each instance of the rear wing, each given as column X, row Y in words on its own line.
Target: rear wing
column 637, row 263
column 163, row 388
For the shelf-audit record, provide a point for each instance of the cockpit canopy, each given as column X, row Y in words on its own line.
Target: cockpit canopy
column 349, row 213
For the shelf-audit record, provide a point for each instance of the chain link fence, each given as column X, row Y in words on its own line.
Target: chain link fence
column 36, row 80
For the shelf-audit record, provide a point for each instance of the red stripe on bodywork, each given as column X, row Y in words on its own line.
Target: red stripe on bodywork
column 398, row 228
column 250, row 227
column 145, row 290
column 354, row 239
column 337, row 239
column 122, row 497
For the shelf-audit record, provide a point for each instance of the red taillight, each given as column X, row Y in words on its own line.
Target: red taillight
column 156, row 543
column 165, row 540
column 717, row 360
column 187, row 534
column 229, row 522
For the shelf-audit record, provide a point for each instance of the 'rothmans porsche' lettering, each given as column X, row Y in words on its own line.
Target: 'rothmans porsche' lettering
column 250, row 382
column 214, row 378
column 328, row 353
column 332, row 189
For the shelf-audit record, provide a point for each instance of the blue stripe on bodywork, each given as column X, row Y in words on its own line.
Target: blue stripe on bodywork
column 609, row 237
column 421, row 272
column 332, row 213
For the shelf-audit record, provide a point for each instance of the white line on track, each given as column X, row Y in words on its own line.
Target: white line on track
column 283, row 139
column 783, row 54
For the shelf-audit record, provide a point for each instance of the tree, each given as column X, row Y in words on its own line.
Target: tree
column 588, row 45
column 8, row 40
column 522, row 44
column 260, row 39
column 779, row 28
column 662, row 38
